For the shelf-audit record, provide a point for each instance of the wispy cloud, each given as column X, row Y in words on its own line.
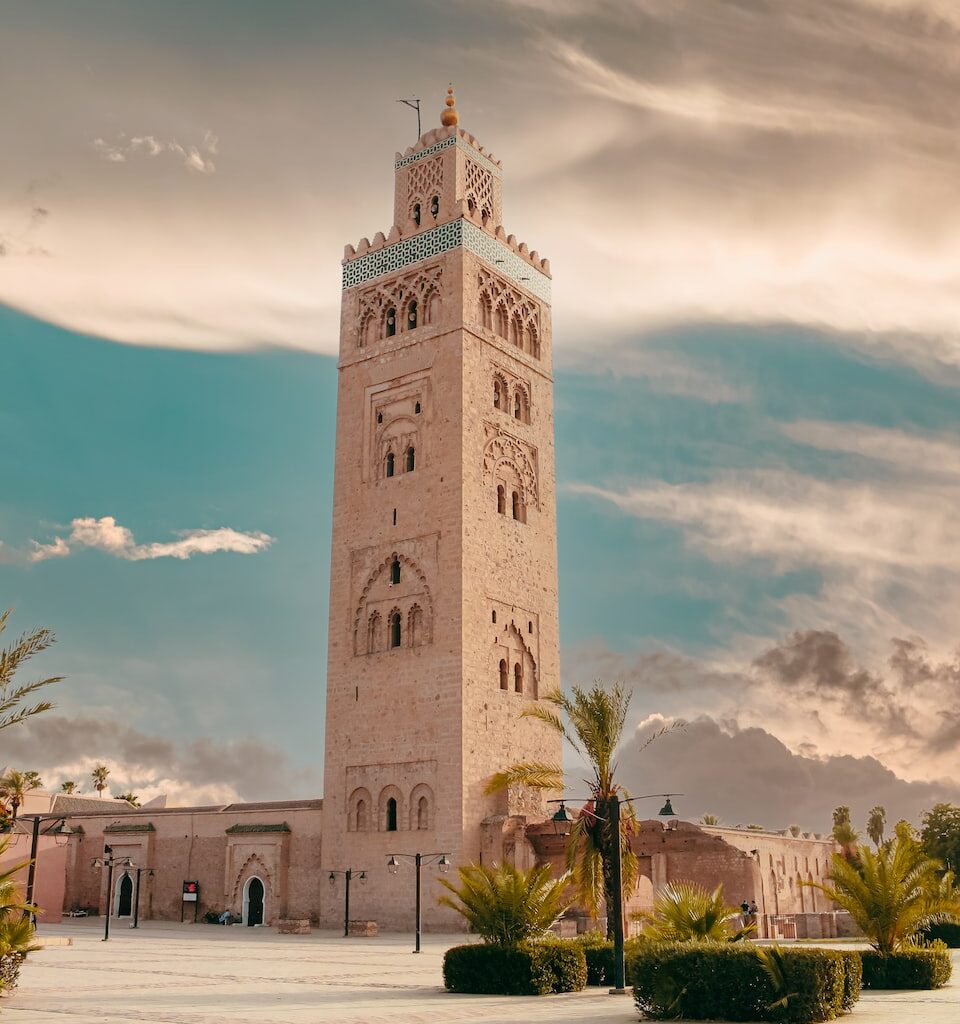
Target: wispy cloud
column 107, row 535
column 194, row 158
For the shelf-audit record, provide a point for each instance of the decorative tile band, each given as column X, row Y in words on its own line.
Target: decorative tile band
column 453, row 140
column 443, row 238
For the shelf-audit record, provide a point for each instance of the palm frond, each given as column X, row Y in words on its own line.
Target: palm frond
column 535, row 774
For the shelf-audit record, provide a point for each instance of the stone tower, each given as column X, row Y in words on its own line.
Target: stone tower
column 443, row 590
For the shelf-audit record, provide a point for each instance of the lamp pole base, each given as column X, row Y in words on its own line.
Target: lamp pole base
column 619, row 991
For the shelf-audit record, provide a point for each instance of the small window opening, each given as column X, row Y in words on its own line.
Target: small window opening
column 501, row 500
column 411, row 459
column 471, row 205
column 517, row 407
column 423, row 813
column 395, row 629
column 412, row 315
column 497, row 398
column 503, row 674
column 416, row 214
column 391, row 463
column 529, row 627
column 391, row 815
column 391, row 322
column 517, row 506
column 395, row 571
column 434, row 206
column 394, row 517
column 493, row 615
column 379, row 417
column 361, row 819
column 518, row 678
column 417, row 409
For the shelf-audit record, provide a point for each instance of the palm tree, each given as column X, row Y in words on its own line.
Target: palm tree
column 687, row 912
column 14, row 787
column 506, row 906
column 12, row 708
column 16, row 926
column 68, row 787
column 709, row 819
column 892, row 892
column 876, row 823
column 99, row 775
column 131, row 798
column 844, row 834
column 596, row 718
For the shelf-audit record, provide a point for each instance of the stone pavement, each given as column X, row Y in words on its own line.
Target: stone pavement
column 204, row 974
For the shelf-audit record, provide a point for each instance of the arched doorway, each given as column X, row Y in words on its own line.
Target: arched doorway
column 125, row 896
column 253, row 902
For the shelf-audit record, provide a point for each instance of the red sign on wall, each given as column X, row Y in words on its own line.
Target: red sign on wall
column 191, row 892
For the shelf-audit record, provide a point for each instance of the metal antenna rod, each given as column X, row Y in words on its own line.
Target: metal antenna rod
column 414, row 104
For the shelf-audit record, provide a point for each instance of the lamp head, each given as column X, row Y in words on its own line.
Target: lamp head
column 393, row 865
column 363, row 877
column 667, row 810
column 443, row 864
column 560, row 819
column 333, row 877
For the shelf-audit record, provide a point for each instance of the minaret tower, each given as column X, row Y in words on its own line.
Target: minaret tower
column 443, row 586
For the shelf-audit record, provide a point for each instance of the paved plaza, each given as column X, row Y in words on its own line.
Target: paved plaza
column 204, row 974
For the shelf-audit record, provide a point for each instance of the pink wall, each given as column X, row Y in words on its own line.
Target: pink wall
column 50, row 877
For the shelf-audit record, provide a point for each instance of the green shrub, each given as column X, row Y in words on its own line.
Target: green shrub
column 598, row 952
column 948, row 933
column 907, row 968
column 530, row 969
column 852, row 979
column 724, row 981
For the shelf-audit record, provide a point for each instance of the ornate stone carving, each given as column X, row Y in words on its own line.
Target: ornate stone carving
column 504, row 451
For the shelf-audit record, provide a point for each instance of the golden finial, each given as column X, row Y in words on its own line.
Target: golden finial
column 450, row 117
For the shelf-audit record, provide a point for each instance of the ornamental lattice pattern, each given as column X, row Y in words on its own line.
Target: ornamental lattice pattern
column 437, row 147
column 479, row 188
column 441, row 239
column 505, row 450
column 424, row 181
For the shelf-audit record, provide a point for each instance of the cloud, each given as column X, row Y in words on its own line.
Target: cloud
column 192, row 157
column 106, row 534
column 748, row 775
column 679, row 162
column 204, row 770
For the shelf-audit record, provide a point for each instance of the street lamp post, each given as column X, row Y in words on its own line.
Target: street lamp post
column 136, row 896
column 612, row 806
column 347, row 877
column 419, row 859
column 107, row 861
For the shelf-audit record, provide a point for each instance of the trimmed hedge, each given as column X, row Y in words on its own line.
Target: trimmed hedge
column 726, row 981
column 599, row 956
column 909, row 968
column 852, row 979
column 948, row 933
column 531, row 969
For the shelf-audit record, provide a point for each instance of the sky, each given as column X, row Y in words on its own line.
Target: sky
column 751, row 211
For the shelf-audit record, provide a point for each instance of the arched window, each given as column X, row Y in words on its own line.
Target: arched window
column 518, row 678
column 392, row 815
column 417, row 409
column 423, row 814
column 516, row 331
column 517, row 507
column 391, row 322
column 532, row 340
column 471, row 206
column 486, row 310
column 361, row 818
column 391, row 464
column 504, row 685
column 502, row 320
column 373, row 633
column 415, row 625
column 416, row 214
column 517, row 406
column 435, row 206
column 497, row 395
column 501, row 500
column 412, row 314
column 411, row 459
column 395, row 629
column 395, row 571
column 379, row 417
